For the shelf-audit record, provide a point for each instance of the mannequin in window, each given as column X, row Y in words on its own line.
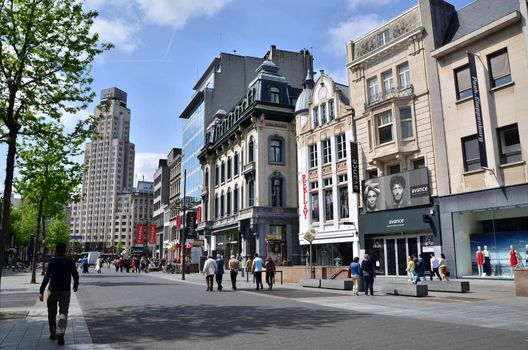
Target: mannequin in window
column 514, row 259
column 480, row 261
column 487, row 261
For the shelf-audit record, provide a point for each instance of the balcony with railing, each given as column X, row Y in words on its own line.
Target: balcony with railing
column 393, row 93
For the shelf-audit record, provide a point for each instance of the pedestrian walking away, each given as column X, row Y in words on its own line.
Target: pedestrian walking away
column 234, row 266
column 60, row 271
column 369, row 273
column 219, row 271
column 98, row 265
column 209, row 271
column 85, row 265
column 257, row 267
column 249, row 266
column 355, row 273
column 270, row 272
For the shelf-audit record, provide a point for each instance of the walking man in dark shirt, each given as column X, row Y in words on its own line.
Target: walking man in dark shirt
column 59, row 273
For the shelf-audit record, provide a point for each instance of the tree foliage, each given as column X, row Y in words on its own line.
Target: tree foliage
column 58, row 231
column 46, row 52
column 23, row 223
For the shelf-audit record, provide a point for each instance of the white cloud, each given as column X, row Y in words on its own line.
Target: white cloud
column 116, row 32
column 146, row 164
column 70, row 120
column 350, row 30
column 176, row 13
column 355, row 4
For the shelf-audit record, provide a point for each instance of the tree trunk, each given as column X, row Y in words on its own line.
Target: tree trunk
column 37, row 245
column 8, row 188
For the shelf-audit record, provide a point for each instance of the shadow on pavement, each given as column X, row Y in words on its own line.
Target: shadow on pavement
column 183, row 323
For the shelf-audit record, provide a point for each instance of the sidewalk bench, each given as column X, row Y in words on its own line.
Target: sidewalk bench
column 448, row 286
column 311, row 283
column 413, row 290
column 337, row 284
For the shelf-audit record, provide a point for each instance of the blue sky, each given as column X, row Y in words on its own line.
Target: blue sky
column 163, row 46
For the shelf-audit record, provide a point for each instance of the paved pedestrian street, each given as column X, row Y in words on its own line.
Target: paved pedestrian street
column 160, row 311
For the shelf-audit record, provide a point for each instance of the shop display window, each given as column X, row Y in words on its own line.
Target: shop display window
column 491, row 242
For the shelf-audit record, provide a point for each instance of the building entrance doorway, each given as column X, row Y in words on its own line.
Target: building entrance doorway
column 389, row 253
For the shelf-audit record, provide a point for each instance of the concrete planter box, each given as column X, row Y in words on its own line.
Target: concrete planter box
column 521, row 282
column 448, row 286
column 337, row 284
column 412, row 290
column 311, row 283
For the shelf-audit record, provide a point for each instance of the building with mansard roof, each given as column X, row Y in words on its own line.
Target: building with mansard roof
column 250, row 167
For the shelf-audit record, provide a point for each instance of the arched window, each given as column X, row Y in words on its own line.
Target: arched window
column 216, row 206
column 206, row 178
column 274, row 95
column 235, row 199
column 222, row 204
column 235, row 164
column 228, row 199
column 276, row 149
column 251, row 150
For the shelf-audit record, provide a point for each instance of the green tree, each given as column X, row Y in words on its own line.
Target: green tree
column 46, row 52
column 77, row 248
column 119, row 248
column 49, row 178
column 23, row 223
column 58, row 231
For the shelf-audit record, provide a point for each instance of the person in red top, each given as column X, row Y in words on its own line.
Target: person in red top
column 480, row 261
column 514, row 260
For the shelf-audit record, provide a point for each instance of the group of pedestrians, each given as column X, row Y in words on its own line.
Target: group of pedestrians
column 416, row 268
column 214, row 270
column 415, row 271
column 133, row 263
column 364, row 270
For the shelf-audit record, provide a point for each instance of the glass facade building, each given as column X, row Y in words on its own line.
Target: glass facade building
column 193, row 141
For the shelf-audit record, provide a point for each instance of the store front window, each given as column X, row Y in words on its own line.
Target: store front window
column 491, row 242
column 330, row 254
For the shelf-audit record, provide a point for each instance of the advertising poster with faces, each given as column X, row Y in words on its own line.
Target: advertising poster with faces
column 395, row 191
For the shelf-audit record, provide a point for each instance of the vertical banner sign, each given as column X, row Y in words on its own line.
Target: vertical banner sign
column 305, row 191
column 355, row 167
column 190, row 224
column 478, row 110
column 140, row 234
column 199, row 214
column 152, row 234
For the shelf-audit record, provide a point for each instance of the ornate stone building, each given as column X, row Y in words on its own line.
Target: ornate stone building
column 395, row 99
column 249, row 164
column 327, row 166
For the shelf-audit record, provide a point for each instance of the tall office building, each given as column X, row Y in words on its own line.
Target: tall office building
column 96, row 219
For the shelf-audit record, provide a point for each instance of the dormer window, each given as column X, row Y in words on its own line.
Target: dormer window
column 274, row 95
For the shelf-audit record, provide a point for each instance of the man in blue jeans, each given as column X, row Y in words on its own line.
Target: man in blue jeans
column 419, row 270
column 59, row 273
column 369, row 273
